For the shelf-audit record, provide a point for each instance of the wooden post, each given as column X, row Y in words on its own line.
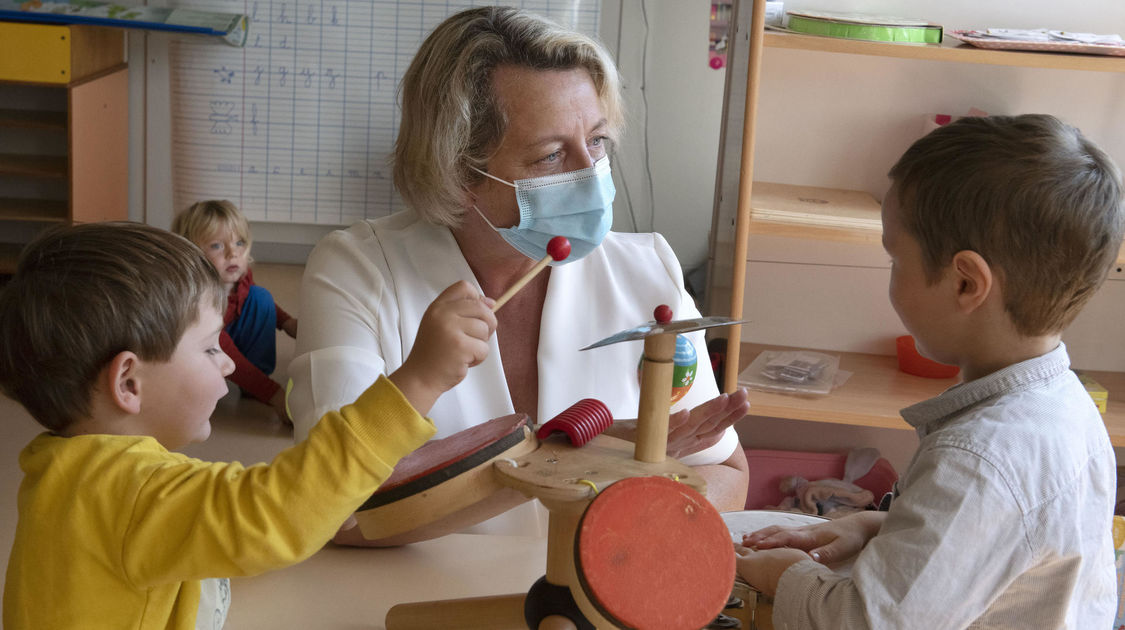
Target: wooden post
column 656, row 396
column 561, row 526
column 745, row 184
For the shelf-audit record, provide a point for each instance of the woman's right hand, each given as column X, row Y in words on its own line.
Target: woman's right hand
column 452, row 337
column 830, row 542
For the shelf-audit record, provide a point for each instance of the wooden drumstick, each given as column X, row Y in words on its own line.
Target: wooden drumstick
column 558, row 248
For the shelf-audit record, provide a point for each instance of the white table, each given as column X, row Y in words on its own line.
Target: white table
column 342, row 588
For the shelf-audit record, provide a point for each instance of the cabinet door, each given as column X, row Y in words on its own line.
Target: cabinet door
column 99, row 148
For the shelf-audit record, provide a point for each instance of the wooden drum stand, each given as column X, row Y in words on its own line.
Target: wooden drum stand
column 631, row 542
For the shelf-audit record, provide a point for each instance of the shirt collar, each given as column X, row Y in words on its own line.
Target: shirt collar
column 958, row 398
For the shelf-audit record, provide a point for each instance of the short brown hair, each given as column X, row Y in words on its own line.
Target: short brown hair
column 83, row 294
column 204, row 218
column 451, row 120
column 1036, row 199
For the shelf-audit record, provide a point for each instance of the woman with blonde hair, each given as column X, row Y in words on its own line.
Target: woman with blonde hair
column 507, row 120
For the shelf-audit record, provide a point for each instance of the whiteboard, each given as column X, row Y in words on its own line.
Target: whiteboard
column 298, row 126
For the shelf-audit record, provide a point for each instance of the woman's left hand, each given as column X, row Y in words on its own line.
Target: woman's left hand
column 691, row 431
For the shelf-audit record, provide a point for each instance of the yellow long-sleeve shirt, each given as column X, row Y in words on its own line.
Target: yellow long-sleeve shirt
column 116, row 532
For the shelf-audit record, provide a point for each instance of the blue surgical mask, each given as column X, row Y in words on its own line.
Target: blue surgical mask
column 577, row 205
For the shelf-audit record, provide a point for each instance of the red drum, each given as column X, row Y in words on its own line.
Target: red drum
column 447, row 484
column 652, row 553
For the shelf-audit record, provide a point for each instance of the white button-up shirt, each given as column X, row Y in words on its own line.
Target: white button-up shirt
column 1002, row 520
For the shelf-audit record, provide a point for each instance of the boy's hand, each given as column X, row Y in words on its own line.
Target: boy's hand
column 290, row 327
column 829, row 542
column 763, row 569
column 452, row 337
column 277, row 401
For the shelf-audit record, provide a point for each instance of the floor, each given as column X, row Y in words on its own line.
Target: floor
column 243, row 429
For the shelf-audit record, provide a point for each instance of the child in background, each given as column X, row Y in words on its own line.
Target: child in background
column 109, row 337
column 999, row 230
column 251, row 315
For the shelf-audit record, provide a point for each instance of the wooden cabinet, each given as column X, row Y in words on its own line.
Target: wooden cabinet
column 876, row 390
column 63, row 129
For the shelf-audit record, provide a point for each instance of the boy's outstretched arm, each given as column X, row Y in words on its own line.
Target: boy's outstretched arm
column 768, row 552
column 763, row 569
column 829, row 542
column 452, row 337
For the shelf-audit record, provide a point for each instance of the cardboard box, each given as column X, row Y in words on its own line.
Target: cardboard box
column 1096, row 391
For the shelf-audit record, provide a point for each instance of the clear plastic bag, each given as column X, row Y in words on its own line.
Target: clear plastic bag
column 792, row 371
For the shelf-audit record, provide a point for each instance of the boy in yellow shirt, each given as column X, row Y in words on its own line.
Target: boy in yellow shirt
column 109, row 337
column 999, row 230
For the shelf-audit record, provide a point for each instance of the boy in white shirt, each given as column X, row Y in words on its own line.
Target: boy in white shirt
column 999, row 230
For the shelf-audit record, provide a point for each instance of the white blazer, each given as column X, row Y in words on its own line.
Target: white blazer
column 365, row 289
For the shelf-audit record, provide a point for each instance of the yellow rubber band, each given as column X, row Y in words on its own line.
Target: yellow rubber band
column 587, row 482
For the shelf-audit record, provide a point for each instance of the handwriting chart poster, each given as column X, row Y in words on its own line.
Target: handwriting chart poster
column 298, row 126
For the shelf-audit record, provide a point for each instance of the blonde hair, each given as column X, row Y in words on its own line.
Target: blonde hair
column 81, row 295
column 451, row 120
column 1037, row 200
column 203, row 219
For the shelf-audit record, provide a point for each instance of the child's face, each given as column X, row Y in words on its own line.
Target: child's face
column 917, row 302
column 179, row 395
column 228, row 252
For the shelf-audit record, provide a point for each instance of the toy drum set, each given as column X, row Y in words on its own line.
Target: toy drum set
column 631, row 543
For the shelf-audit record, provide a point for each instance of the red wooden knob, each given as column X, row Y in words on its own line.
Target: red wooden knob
column 558, row 248
column 662, row 314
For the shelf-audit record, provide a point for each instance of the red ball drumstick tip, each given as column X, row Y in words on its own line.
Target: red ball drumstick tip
column 663, row 314
column 558, row 248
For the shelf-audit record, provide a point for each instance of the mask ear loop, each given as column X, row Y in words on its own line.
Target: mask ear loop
column 502, row 181
column 485, row 218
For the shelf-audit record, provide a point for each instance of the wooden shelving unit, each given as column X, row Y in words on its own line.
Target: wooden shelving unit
column 877, row 390
column 951, row 50
column 69, row 165
column 857, row 220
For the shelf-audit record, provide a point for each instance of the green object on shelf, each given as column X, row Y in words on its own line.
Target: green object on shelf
column 870, row 28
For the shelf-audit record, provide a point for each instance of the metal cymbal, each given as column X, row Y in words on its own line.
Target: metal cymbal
column 656, row 328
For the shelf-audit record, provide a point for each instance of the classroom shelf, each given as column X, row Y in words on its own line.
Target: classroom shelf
column 42, row 180
column 26, row 119
column 821, row 213
column 23, row 165
column 876, row 391
column 36, row 210
column 812, row 212
column 951, row 50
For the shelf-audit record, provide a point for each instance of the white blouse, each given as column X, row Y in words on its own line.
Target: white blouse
column 365, row 289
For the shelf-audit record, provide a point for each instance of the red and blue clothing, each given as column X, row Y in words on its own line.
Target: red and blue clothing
column 249, row 337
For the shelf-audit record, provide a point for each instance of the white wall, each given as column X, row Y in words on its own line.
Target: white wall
column 666, row 164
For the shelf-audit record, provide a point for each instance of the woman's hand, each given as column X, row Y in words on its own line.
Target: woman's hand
column 829, row 542
column 691, row 431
